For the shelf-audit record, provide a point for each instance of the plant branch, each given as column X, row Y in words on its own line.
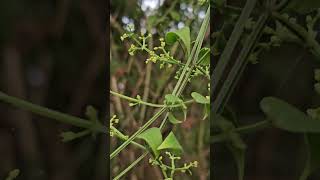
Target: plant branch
column 58, row 116
column 242, row 130
column 301, row 32
column 149, row 104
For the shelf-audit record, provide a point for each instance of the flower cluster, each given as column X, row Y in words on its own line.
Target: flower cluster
column 113, row 120
column 163, row 56
column 172, row 168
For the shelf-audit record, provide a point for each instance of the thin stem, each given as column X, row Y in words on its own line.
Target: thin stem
column 58, row 116
column 242, row 130
column 159, row 112
column 149, row 104
column 121, row 136
column 306, row 170
column 131, row 166
column 144, row 127
column 238, row 67
column 194, row 54
column 231, row 44
column 136, row 100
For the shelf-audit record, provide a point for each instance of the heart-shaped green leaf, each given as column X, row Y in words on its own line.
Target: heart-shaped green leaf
column 199, row 98
column 183, row 34
column 172, row 144
column 288, row 117
column 153, row 138
column 173, row 119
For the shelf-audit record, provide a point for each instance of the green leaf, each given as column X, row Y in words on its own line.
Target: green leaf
column 172, row 99
column 313, row 155
column 304, row 6
column 222, row 123
column 288, row 117
column 69, row 135
column 175, row 15
column 13, row 174
column 183, row 34
column 92, row 113
column 317, row 74
column 206, row 111
column 152, row 20
column 204, row 57
column 172, row 144
column 199, row 98
column 153, row 138
column 317, row 88
column 173, row 119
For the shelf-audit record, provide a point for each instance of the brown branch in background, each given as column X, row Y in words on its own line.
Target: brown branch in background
column 22, row 120
column 7, row 151
column 116, row 99
column 61, row 17
column 96, row 64
column 146, row 89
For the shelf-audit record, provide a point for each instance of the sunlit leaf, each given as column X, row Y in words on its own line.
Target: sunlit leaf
column 153, row 138
column 183, row 34
column 199, row 98
column 172, row 99
column 173, row 119
column 172, row 144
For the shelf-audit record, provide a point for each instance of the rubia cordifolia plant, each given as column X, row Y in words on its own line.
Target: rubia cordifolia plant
column 270, row 19
column 165, row 151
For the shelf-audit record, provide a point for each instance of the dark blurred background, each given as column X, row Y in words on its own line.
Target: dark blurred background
column 52, row 53
column 286, row 72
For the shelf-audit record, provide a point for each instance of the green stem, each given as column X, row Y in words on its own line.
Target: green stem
column 148, row 104
column 231, row 44
column 238, row 67
column 194, row 54
column 177, row 87
column 130, row 139
column 58, row 116
column 124, row 138
column 242, row 130
column 306, row 171
column 131, row 166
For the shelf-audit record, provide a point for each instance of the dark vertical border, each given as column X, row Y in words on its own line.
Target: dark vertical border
column 107, row 43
